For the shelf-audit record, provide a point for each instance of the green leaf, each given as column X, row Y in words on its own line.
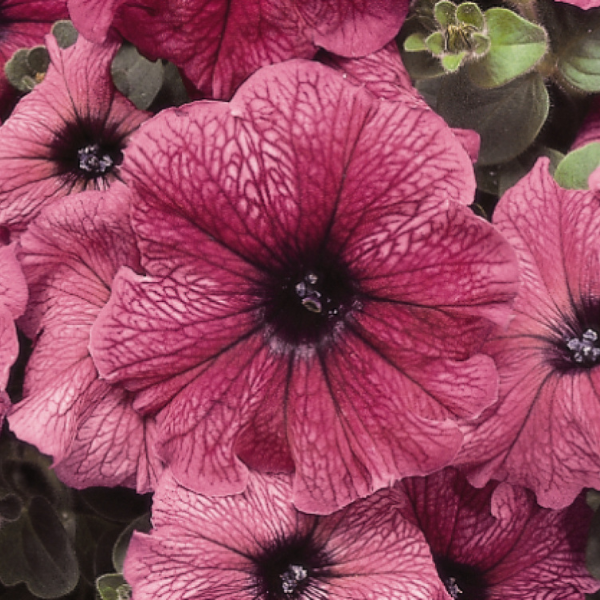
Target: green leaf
column 516, row 46
column 480, row 43
column 36, row 550
column 65, row 34
column 10, row 507
column 452, row 62
column 113, row 587
column 415, row 43
column 507, row 118
column 136, row 77
column 470, row 14
column 574, row 170
column 436, row 43
column 38, row 59
column 445, row 13
column 17, row 68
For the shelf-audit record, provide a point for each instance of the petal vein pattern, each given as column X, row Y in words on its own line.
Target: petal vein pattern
column 271, row 232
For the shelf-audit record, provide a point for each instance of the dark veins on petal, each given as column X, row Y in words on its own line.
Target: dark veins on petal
column 88, row 153
column 290, row 570
column 577, row 346
column 462, row 582
column 308, row 299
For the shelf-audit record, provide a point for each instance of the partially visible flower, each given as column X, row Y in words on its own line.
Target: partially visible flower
column 70, row 255
column 23, row 24
column 13, row 300
column 588, row 134
column 67, row 135
column 544, row 431
column 256, row 546
column 316, row 291
column 496, row 543
column 219, row 43
column 384, row 75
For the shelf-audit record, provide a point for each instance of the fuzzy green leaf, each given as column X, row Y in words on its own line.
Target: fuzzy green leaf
column 415, row 43
column 516, row 46
column 470, row 14
column 445, row 13
column 576, row 167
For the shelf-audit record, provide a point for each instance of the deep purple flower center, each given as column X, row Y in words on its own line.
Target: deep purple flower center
column 87, row 151
column 307, row 305
column 462, row 582
column 288, row 570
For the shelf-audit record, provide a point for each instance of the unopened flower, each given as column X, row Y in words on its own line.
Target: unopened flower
column 316, row 292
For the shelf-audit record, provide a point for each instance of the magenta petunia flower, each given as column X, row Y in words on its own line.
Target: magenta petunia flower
column 23, row 24
column 218, row 44
column 544, row 432
column 496, row 543
column 67, row 135
column 13, row 300
column 315, row 294
column 256, row 546
column 70, row 254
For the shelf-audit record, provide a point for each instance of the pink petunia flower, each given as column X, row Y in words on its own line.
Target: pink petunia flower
column 218, row 43
column 544, row 432
column 496, row 543
column 70, row 254
column 67, row 135
column 23, row 24
column 314, row 300
column 13, row 300
column 256, row 546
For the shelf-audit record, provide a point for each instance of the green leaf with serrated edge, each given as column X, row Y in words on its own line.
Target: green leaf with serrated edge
column 470, row 14
column 436, row 43
column 36, row 550
column 452, row 62
column 574, row 170
column 508, row 118
column 113, row 586
column 136, row 77
column 415, row 43
column 445, row 13
column 120, row 548
column 516, row 46
column 65, row 34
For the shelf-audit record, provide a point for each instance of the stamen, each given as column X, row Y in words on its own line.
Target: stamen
column 309, row 295
column 584, row 350
column 452, row 588
column 292, row 577
column 90, row 160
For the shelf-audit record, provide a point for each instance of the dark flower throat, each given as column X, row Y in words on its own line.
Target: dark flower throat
column 462, row 582
column 306, row 307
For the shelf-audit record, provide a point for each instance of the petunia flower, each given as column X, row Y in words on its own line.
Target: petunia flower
column 316, row 292
column 23, row 24
column 496, row 543
column 66, row 136
column 218, row 43
column 544, row 432
column 256, row 546
column 13, row 300
column 70, row 254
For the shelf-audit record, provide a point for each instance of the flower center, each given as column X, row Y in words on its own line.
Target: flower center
column 86, row 153
column 309, row 306
column 93, row 160
column 585, row 350
column 462, row 582
column 288, row 570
